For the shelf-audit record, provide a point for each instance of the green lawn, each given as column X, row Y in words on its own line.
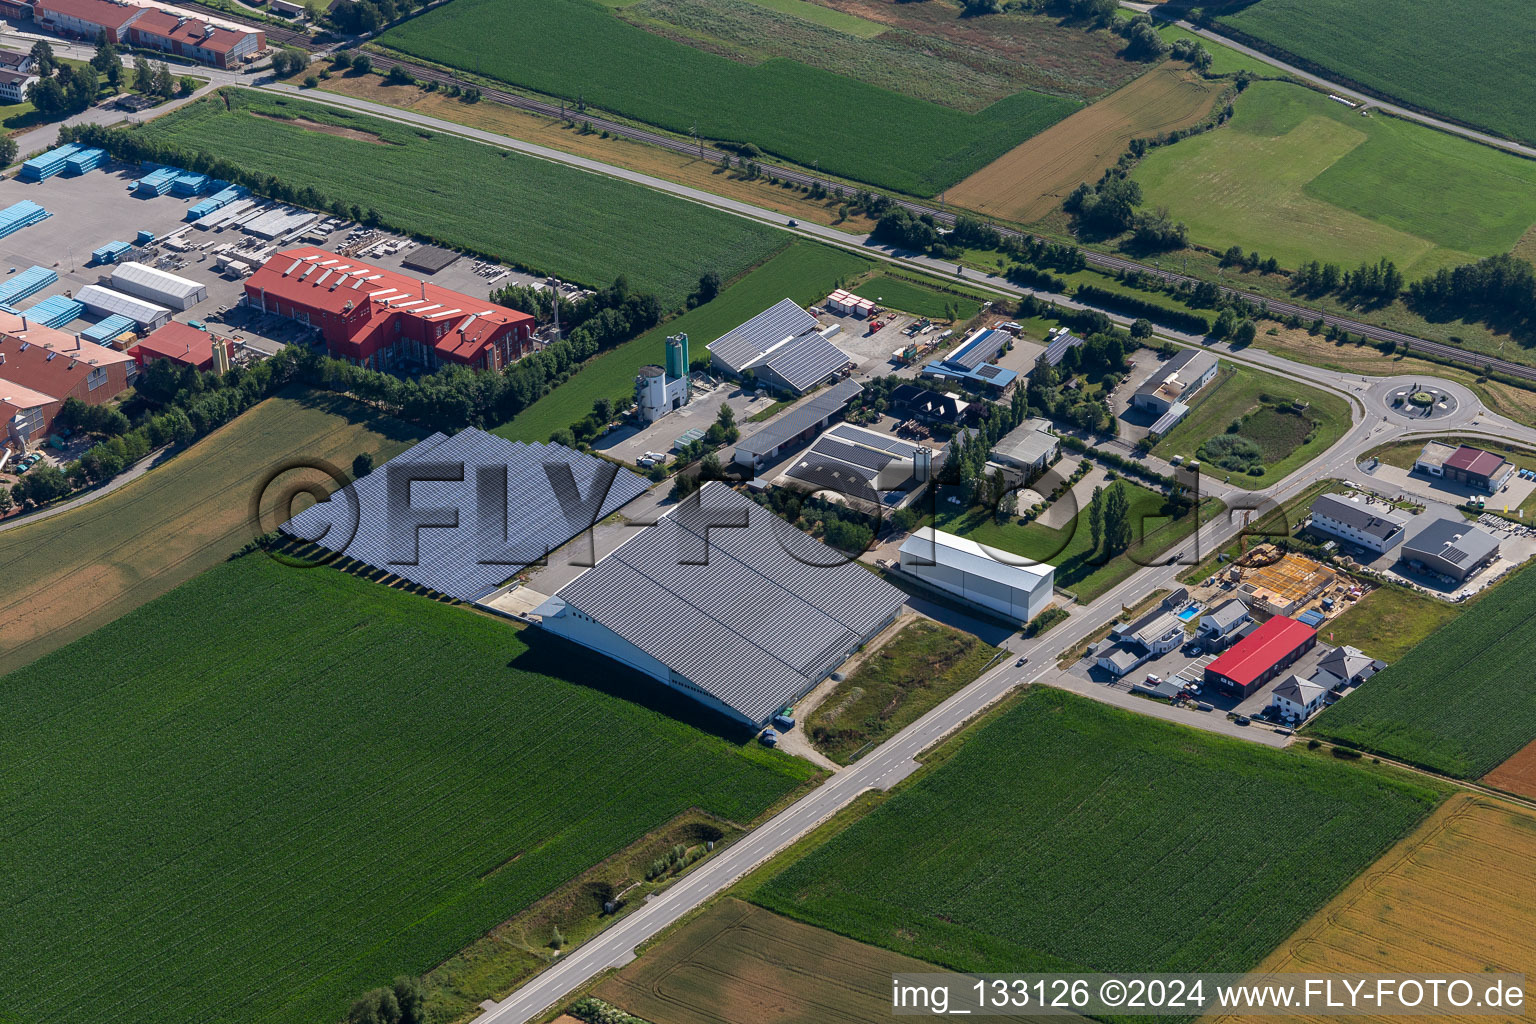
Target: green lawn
column 911, row 296
column 805, row 272
column 274, row 788
column 583, row 50
column 1080, row 568
column 1389, row 621
column 1459, row 701
column 1241, row 391
column 904, row 679
column 1471, row 62
column 1297, row 176
column 579, row 226
column 1065, row 835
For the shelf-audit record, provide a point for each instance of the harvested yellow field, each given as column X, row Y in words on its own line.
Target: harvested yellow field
column 1457, row 896
column 1030, row 180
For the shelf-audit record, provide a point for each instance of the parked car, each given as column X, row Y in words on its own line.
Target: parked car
column 769, row 738
column 1244, row 720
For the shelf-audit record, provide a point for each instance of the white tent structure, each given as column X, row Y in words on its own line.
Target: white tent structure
column 1005, row 584
column 105, row 302
column 158, row 286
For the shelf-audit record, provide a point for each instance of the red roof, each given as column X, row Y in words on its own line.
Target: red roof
column 1261, row 650
column 1475, row 461
column 97, row 12
column 180, row 344
column 188, row 31
column 340, row 285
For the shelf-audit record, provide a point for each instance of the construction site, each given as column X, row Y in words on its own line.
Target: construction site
column 1277, row 582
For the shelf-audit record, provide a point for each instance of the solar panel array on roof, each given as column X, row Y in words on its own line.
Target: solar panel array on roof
column 753, row 614
column 1058, row 345
column 807, row 361
column 741, row 347
column 892, row 445
column 546, row 511
column 801, row 418
column 866, row 458
column 981, row 347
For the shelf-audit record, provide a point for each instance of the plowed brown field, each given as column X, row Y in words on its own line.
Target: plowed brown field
column 1030, row 180
column 1457, row 896
column 1518, row 774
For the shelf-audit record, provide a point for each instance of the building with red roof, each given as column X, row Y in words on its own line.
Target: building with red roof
column 378, row 318
column 219, row 43
column 1260, row 656
column 42, row 363
column 181, row 344
column 196, row 39
column 86, row 19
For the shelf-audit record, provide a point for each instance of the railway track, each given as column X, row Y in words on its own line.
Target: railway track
column 1104, row 261
column 286, row 36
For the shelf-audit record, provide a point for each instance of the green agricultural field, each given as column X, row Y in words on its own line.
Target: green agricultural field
column 1469, row 62
column 909, row 296
column 73, row 572
column 1299, row 177
column 805, row 272
column 908, row 676
column 1457, row 703
column 1065, row 835
column 1080, row 567
column 1285, row 440
column 580, row 49
column 274, row 788
column 579, row 226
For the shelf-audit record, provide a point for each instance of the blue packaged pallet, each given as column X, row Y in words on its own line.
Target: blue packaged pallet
column 55, row 311
column 145, row 236
column 84, row 160
column 47, row 164
column 189, row 184
column 19, row 215
column 109, row 330
column 157, row 182
column 110, row 252
column 28, row 282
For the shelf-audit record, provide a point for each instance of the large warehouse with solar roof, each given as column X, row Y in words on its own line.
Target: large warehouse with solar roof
column 783, row 346
column 726, row 602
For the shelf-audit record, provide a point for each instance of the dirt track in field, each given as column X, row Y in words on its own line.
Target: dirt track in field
column 1030, row 180
column 1457, row 896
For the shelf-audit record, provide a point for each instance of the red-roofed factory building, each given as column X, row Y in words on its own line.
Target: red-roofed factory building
column 1260, row 656
column 378, row 318
column 41, row 367
column 181, row 344
column 222, row 44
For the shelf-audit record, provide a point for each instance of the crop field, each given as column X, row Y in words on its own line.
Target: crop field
column 1080, row 567
column 577, row 225
column 1242, row 393
column 1033, row 178
column 740, row 964
column 1455, row 897
column 805, row 272
column 911, row 296
column 895, row 685
column 1453, row 703
column 1066, row 835
column 274, row 788
column 1299, row 177
column 580, row 49
column 78, row 570
column 1468, row 62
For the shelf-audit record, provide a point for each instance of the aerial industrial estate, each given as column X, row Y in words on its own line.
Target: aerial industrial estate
column 509, row 516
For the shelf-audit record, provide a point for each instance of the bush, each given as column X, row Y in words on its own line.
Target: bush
column 311, row 81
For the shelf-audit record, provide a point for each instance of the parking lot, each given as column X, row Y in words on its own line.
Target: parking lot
column 871, row 351
column 98, row 207
column 630, row 443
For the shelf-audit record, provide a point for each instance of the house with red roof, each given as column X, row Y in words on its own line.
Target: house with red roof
column 41, row 367
column 181, row 344
column 1260, row 656
column 379, row 318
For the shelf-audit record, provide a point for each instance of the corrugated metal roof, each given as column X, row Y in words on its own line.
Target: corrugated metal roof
column 752, row 613
column 448, row 559
column 801, row 418
column 745, row 345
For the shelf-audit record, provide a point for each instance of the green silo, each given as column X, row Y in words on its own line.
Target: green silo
column 677, row 355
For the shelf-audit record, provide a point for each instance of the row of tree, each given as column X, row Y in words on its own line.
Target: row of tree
column 1109, row 518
